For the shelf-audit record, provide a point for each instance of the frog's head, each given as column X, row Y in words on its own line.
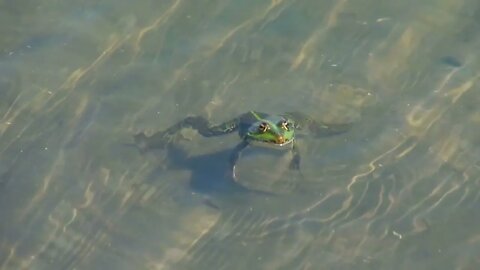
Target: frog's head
column 275, row 131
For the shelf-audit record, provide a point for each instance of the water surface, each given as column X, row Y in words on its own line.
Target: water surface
column 77, row 80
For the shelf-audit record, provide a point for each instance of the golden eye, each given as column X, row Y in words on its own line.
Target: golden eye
column 263, row 127
column 284, row 124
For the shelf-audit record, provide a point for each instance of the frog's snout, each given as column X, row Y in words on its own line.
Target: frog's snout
column 280, row 140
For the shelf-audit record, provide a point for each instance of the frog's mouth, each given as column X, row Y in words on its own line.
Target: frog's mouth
column 278, row 142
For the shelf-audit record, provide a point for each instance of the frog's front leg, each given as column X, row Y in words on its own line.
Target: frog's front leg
column 235, row 156
column 295, row 162
column 199, row 123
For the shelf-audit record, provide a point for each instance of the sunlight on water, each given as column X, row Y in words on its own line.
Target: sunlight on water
column 399, row 190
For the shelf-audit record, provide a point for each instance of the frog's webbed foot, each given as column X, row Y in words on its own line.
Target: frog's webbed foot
column 145, row 143
column 234, row 158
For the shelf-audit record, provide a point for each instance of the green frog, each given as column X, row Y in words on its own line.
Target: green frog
column 254, row 128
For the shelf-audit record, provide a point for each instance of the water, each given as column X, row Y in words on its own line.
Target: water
column 77, row 80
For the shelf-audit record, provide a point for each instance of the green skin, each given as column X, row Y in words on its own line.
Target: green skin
column 255, row 128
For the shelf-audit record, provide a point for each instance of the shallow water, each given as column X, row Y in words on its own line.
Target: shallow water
column 400, row 190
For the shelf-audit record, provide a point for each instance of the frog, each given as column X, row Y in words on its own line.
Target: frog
column 258, row 129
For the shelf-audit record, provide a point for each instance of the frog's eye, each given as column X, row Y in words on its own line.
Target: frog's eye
column 284, row 124
column 263, row 127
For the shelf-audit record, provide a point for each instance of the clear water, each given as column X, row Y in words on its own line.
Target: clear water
column 78, row 78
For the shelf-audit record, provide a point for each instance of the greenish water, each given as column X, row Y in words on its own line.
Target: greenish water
column 399, row 191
